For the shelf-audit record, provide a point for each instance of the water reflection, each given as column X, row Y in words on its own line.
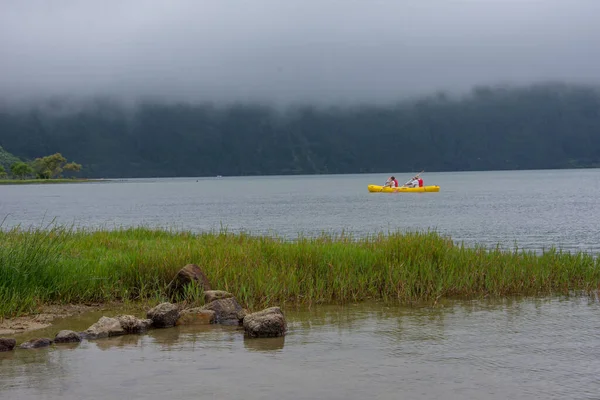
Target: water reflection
column 496, row 349
column 6, row 355
column 118, row 342
column 67, row 346
column 28, row 368
column 266, row 345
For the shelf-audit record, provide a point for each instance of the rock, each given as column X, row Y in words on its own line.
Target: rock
column 67, row 337
column 7, row 344
column 191, row 273
column 196, row 316
column 164, row 315
column 36, row 343
column 105, row 327
column 83, row 335
column 132, row 324
column 266, row 323
column 227, row 311
column 212, row 295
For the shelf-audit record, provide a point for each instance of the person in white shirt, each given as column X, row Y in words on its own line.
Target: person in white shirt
column 413, row 183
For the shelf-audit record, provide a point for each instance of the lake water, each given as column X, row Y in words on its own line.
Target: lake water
column 531, row 209
column 494, row 349
column 517, row 349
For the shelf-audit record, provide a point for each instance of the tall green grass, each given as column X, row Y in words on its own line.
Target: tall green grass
column 61, row 265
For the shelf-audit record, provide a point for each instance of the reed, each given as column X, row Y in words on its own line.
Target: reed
column 61, row 265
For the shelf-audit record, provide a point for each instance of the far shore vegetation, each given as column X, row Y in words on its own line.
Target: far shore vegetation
column 44, row 181
column 49, row 169
column 59, row 265
column 548, row 125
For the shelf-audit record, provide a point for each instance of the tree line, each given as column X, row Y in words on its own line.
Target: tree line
column 48, row 167
column 548, row 125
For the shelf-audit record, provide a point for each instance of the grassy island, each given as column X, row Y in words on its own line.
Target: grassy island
column 60, row 265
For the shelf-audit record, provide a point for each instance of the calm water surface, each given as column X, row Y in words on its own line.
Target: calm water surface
column 531, row 209
column 518, row 349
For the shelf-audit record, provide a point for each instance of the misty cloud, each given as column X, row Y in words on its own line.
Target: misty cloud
column 292, row 50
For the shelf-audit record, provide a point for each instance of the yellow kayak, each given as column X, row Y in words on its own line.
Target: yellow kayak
column 402, row 189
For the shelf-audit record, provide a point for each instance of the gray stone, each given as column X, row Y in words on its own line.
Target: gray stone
column 164, row 315
column 105, row 327
column 7, row 344
column 212, row 295
column 269, row 322
column 36, row 343
column 191, row 273
column 227, row 311
column 67, row 337
column 196, row 316
column 132, row 324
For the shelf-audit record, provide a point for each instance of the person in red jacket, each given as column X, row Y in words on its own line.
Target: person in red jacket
column 420, row 182
column 391, row 182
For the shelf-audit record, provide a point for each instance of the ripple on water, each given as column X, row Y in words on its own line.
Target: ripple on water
column 487, row 208
column 532, row 348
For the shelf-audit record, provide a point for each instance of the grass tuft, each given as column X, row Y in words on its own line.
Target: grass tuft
column 61, row 265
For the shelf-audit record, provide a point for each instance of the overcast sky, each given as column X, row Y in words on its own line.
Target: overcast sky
column 291, row 50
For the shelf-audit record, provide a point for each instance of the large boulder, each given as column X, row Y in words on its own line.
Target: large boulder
column 191, row 273
column 36, row 343
column 227, row 311
column 164, row 315
column 196, row 316
column 105, row 327
column 66, row 336
column 132, row 324
column 212, row 295
column 266, row 323
column 7, row 344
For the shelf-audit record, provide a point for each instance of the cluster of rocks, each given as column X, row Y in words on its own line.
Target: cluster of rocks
column 220, row 307
column 8, row 344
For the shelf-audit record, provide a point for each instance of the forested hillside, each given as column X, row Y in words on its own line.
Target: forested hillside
column 7, row 159
column 538, row 126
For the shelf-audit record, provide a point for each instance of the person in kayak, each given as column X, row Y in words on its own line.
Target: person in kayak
column 420, row 182
column 413, row 183
column 391, row 182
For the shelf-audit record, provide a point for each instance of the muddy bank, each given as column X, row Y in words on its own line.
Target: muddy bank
column 219, row 307
column 49, row 314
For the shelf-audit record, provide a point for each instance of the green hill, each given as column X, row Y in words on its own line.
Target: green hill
column 539, row 126
column 7, row 159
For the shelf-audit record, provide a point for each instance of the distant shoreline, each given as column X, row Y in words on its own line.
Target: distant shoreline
column 47, row 181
